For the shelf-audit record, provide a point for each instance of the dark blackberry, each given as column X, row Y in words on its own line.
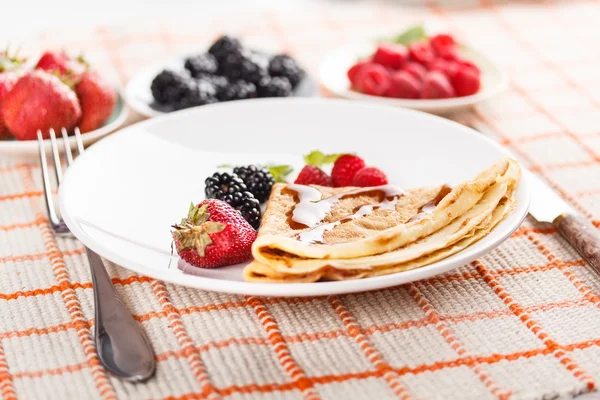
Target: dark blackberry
column 278, row 86
column 259, row 181
column 198, row 93
column 223, row 46
column 219, row 82
column 201, row 64
column 238, row 91
column 243, row 65
column 232, row 190
column 169, row 87
column 286, row 66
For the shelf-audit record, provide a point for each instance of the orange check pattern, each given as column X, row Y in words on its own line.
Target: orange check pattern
column 522, row 322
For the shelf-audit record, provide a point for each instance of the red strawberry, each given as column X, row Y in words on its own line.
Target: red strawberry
column 416, row 70
column 7, row 82
column 311, row 175
column 421, row 53
column 373, row 79
column 213, row 235
column 391, row 55
column 404, row 86
column 443, row 45
column 370, row 176
column 60, row 62
column 345, row 168
column 466, row 82
column 437, row 86
column 354, row 72
column 97, row 98
column 39, row 101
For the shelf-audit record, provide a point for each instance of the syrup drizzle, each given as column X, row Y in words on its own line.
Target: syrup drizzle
column 429, row 207
column 311, row 209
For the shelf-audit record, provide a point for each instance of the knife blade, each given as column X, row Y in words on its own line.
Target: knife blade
column 547, row 206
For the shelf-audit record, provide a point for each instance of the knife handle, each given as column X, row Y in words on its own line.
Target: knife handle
column 582, row 235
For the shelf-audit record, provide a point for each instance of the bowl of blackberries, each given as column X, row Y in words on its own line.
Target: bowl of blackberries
column 227, row 71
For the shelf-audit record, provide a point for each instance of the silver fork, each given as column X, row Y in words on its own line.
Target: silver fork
column 122, row 346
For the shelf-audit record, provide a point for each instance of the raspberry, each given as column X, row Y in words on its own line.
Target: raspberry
column 437, row 86
column 466, row 82
column 416, row 70
column 404, row 86
column 311, row 175
column 421, row 53
column 345, row 168
column 442, row 44
column 373, row 79
column 469, row 65
column 391, row 55
column 354, row 72
column 448, row 68
column 370, row 176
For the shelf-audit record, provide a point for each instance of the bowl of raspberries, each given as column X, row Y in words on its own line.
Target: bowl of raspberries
column 433, row 73
column 227, row 71
column 55, row 91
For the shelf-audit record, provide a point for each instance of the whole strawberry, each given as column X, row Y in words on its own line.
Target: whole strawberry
column 59, row 62
column 311, row 175
column 97, row 98
column 213, row 235
column 344, row 169
column 39, row 101
column 7, row 82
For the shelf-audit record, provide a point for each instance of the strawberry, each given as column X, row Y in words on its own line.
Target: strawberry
column 390, row 55
column 345, row 168
column 311, row 175
column 443, row 45
column 60, row 63
column 370, row 176
column 97, row 98
column 39, row 101
column 416, row 70
column 404, row 86
column 466, row 82
column 373, row 79
column 354, row 71
column 437, row 86
column 421, row 53
column 7, row 82
column 213, row 235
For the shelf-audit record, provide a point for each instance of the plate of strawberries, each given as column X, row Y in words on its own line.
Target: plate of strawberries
column 57, row 91
column 432, row 73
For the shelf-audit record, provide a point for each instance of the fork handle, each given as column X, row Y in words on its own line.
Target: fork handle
column 122, row 346
column 582, row 235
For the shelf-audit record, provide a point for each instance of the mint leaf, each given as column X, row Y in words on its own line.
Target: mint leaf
column 279, row 172
column 318, row 158
column 413, row 34
column 225, row 166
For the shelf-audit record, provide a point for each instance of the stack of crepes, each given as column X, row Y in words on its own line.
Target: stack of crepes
column 312, row 233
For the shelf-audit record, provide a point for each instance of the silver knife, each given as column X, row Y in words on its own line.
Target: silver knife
column 547, row 206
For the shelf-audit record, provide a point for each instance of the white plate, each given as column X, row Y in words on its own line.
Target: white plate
column 137, row 182
column 28, row 149
column 332, row 73
column 139, row 97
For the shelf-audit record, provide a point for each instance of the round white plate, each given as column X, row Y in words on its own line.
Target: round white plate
column 29, row 148
column 132, row 186
column 139, row 97
column 332, row 73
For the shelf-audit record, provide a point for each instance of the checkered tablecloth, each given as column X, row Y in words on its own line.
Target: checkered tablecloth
column 522, row 322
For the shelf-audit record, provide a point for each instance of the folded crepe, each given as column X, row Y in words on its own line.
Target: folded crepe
column 312, row 233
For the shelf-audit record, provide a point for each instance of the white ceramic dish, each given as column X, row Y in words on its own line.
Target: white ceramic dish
column 28, row 149
column 131, row 186
column 332, row 73
column 139, row 97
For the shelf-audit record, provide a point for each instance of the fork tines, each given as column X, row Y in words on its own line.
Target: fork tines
column 57, row 223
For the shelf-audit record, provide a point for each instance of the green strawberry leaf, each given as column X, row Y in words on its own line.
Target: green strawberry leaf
column 318, row 158
column 413, row 34
column 279, row 172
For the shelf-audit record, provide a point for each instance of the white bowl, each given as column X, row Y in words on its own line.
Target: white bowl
column 333, row 68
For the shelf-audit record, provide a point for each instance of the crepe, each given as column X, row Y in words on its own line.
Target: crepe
column 311, row 233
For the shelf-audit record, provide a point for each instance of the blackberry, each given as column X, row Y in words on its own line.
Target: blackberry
column 278, row 86
column 286, row 66
column 243, row 65
column 201, row 64
column 169, row 87
column 219, row 82
column 238, row 91
column 223, row 46
column 232, row 190
column 259, row 181
column 198, row 93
